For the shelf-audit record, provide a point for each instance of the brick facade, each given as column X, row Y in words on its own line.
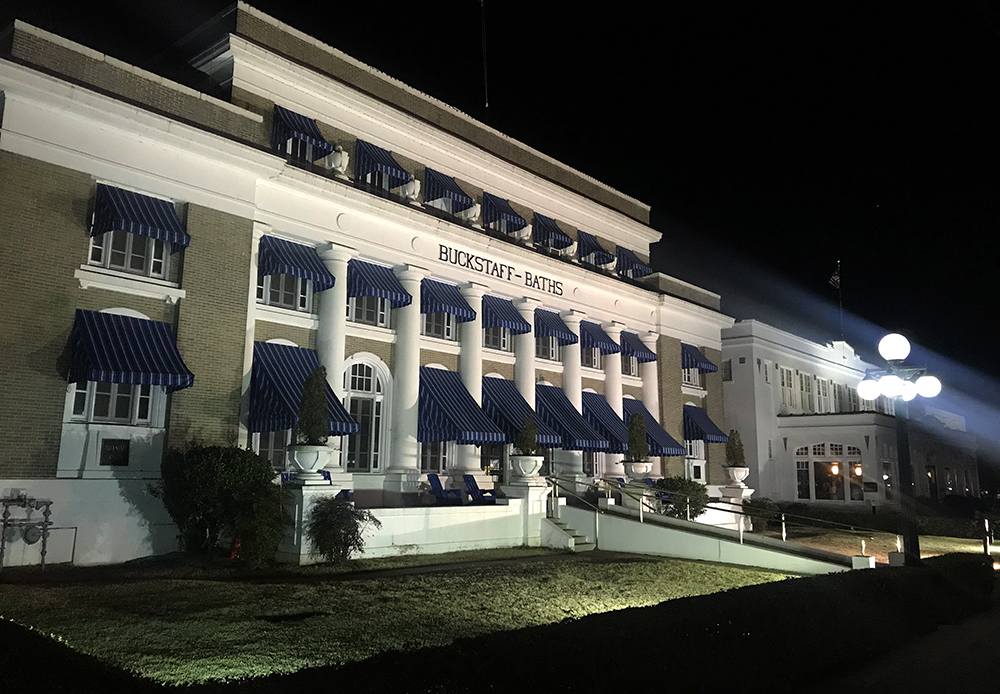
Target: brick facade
column 715, row 452
column 265, row 330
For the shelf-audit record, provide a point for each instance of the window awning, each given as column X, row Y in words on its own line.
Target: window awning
column 545, row 232
column 280, row 257
column 632, row 346
column 119, row 209
column 593, row 335
column 503, row 404
column 496, row 208
column 660, row 442
column 369, row 158
column 597, row 410
column 111, row 348
column 438, row 297
column 448, row 413
column 276, row 380
column 629, row 264
column 587, row 244
column 692, row 358
column 437, row 185
column 558, row 413
column 500, row 313
column 292, row 125
column 697, row 426
column 369, row 279
column 549, row 324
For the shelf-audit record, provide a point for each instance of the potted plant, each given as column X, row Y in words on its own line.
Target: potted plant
column 525, row 459
column 309, row 451
column 636, row 457
column 736, row 461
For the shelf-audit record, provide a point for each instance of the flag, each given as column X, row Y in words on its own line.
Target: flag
column 835, row 278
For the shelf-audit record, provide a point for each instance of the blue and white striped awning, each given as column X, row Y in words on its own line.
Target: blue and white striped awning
column 605, row 421
column 697, row 426
column 692, row 358
column 437, row 186
column 276, row 380
column 111, row 348
column 660, row 442
column 369, row 279
column 292, row 125
column 500, row 313
column 438, row 297
column 629, row 264
column 632, row 346
column 369, row 158
column 496, row 208
column 119, row 209
column 549, row 324
column 593, row 335
column 280, row 257
column 558, row 413
column 545, row 232
column 587, row 244
column 448, row 413
column 507, row 407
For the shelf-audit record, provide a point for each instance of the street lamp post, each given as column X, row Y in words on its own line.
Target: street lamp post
column 902, row 383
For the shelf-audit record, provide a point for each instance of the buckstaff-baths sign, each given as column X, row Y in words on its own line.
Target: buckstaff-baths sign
column 510, row 273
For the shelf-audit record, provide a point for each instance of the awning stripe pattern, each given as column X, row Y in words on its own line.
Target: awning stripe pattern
column 503, row 404
column 292, row 125
column 593, row 335
column 558, row 413
column 496, row 208
column 110, row 348
column 545, row 232
column 500, row 313
column 549, row 324
column 632, row 346
column 629, row 264
column 276, row 380
column 588, row 244
column 692, row 358
column 660, row 442
column 369, row 158
column 697, row 426
column 448, row 412
column 606, row 422
column 369, row 279
column 438, row 297
column 281, row 257
column 134, row 213
column 437, row 185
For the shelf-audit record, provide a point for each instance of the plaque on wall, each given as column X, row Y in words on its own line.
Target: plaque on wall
column 114, row 452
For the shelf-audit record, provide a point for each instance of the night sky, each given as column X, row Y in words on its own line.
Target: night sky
column 771, row 141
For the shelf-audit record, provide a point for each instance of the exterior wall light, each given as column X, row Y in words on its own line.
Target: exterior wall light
column 858, row 471
column 834, row 469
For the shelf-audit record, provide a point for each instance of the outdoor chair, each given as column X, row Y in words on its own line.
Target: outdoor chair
column 442, row 496
column 477, row 495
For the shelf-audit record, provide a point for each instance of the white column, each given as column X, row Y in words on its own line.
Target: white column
column 651, row 387
column 403, row 474
column 524, row 352
column 570, row 463
column 613, row 393
column 470, row 368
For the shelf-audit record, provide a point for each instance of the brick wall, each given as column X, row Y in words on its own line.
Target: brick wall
column 430, row 356
column 634, row 391
column 594, row 384
column 505, row 370
column 383, row 350
column 716, row 452
column 668, row 357
column 553, row 377
column 266, row 330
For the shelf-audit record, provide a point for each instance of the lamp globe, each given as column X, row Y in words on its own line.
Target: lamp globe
column 894, row 347
column 909, row 390
column 891, row 385
column 928, row 386
column 869, row 389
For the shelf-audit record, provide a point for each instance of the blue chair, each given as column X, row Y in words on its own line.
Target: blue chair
column 345, row 495
column 477, row 495
column 442, row 496
column 621, row 482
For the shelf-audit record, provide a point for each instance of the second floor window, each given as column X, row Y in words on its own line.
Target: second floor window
column 787, row 387
column 547, row 348
column 132, row 253
column 285, row 291
column 692, row 377
column 370, row 310
column 590, row 357
column 440, row 325
column 497, row 338
column 630, row 366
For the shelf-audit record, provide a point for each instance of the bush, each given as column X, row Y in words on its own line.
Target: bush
column 764, row 513
column 675, row 505
column 335, row 528
column 223, row 494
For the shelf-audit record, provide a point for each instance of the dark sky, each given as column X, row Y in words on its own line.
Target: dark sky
column 771, row 139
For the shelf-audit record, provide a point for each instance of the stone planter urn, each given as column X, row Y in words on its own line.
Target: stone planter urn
column 526, row 466
column 637, row 469
column 309, row 460
column 737, row 475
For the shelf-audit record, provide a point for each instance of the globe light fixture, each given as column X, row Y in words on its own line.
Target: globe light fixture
column 928, row 386
column 834, row 469
column 857, row 470
column 890, row 385
column 869, row 389
column 909, row 391
column 894, row 347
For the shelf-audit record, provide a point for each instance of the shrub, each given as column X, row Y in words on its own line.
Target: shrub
column 735, row 456
column 675, row 505
column 526, row 442
column 312, row 428
column 638, row 446
column 335, row 528
column 763, row 512
column 223, row 494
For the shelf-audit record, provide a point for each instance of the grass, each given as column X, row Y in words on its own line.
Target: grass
column 879, row 544
column 184, row 624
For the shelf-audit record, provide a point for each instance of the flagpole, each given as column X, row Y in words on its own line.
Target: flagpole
column 840, row 298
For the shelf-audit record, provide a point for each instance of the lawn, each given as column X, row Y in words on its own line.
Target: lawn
column 879, row 544
column 179, row 624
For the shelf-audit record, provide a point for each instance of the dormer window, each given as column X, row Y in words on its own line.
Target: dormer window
column 546, row 233
column 288, row 273
column 297, row 137
column 443, row 193
column 500, row 216
column 629, row 265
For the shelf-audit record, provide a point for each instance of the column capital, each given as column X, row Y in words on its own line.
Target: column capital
column 614, row 329
column 411, row 272
column 651, row 339
column 473, row 290
column 336, row 252
column 261, row 229
column 572, row 318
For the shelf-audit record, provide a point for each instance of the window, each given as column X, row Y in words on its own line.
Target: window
column 832, row 474
column 440, row 325
column 132, row 253
column 767, row 373
column 692, row 377
column 370, row 310
column 273, row 445
column 770, row 450
column 434, row 457
column 299, row 150
column 497, row 338
column 590, row 357
column 806, row 392
column 285, row 291
column 443, row 203
column 365, row 403
column 377, row 179
column 822, row 395
column 589, row 463
column 853, row 404
column 727, row 370
column 694, row 461
column 492, row 457
column 116, row 403
column 787, row 387
column 547, row 348
column 630, row 366
column 835, row 404
column 802, row 482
